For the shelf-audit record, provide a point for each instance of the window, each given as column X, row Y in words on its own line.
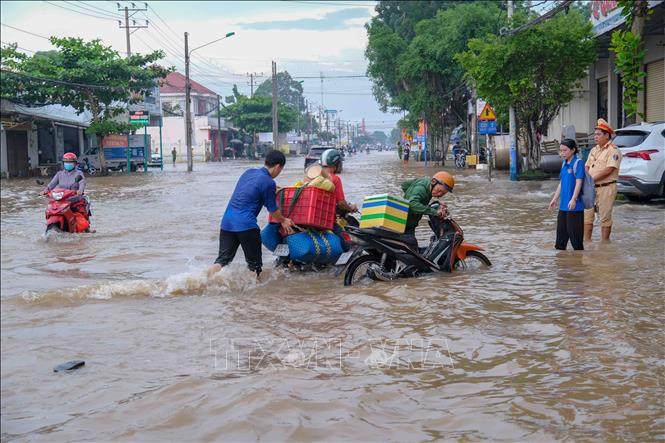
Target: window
column 628, row 139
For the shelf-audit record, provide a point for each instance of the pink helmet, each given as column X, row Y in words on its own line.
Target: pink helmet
column 69, row 157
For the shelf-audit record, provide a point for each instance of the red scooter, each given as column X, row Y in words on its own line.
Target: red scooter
column 66, row 211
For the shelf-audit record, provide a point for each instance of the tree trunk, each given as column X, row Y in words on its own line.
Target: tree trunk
column 533, row 148
column 102, row 157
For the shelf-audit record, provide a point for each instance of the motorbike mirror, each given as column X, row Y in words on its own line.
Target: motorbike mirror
column 39, row 182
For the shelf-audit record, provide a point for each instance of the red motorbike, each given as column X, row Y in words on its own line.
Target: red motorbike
column 66, row 211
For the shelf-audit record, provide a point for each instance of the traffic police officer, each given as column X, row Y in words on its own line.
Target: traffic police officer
column 603, row 165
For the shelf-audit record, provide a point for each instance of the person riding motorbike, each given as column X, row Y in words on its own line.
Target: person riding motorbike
column 418, row 192
column 330, row 161
column 68, row 179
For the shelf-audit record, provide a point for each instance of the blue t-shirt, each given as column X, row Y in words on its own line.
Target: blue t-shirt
column 568, row 177
column 255, row 189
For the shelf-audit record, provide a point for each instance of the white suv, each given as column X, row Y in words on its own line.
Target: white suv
column 642, row 171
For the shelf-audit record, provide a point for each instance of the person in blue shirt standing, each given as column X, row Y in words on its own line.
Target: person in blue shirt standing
column 570, row 220
column 255, row 188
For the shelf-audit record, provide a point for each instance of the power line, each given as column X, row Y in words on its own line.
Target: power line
column 18, row 47
column 79, row 12
column 165, row 24
column 86, row 7
column 329, row 3
column 60, row 82
column 565, row 4
column 27, row 32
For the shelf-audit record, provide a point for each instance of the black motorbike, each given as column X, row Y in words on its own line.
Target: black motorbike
column 383, row 255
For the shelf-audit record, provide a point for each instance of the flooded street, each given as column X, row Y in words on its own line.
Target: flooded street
column 543, row 346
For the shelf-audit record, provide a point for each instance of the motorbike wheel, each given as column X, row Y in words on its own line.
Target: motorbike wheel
column 358, row 269
column 473, row 260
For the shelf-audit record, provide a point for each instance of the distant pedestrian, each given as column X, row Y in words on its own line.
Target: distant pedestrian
column 407, row 152
column 174, row 154
column 603, row 165
column 399, row 150
column 570, row 220
column 255, row 189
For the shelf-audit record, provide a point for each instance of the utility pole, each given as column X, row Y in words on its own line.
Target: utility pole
column 474, row 122
column 275, row 114
column 220, row 152
column 134, row 26
column 309, row 123
column 322, row 89
column 188, row 113
column 513, row 128
column 251, row 82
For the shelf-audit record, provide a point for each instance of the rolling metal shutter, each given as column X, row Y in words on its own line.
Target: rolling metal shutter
column 655, row 91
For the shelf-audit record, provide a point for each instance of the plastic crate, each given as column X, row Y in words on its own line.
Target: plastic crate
column 314, row 208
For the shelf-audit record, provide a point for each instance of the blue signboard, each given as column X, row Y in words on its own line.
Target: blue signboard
column 486, row 127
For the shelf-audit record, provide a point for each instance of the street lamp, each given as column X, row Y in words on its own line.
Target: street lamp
column 188, row 88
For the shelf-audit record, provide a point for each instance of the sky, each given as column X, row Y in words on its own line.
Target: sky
column 306, row 38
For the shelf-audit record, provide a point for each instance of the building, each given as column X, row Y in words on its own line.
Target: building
column 34, row 139
column 204, row 125
column 600, row 95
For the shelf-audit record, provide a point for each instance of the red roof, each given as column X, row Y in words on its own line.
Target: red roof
column 175, row 83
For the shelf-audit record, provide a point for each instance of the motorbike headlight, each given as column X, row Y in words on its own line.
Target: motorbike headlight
column 57, row 195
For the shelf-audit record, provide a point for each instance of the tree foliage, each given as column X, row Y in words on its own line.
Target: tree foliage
column 254, row 114
column 289, row 91
column 411, row 54
column 534, row 70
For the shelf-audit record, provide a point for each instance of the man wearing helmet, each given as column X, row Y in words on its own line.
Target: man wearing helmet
column 330, row 161
column 419, row 192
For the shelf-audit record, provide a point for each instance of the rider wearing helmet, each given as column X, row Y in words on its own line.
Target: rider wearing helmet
column 66, row 178
column 419, row 192
column 331, row 161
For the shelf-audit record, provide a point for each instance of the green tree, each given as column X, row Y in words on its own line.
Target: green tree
column 534, row 70
column 628, row 45
column 379, row 137
column 254, row 114
column 416, row 69
column 87, row 76
column 289, row 91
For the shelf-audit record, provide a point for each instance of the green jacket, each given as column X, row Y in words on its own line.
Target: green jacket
column 418, row 192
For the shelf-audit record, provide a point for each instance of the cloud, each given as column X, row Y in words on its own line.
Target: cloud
column 335, row 20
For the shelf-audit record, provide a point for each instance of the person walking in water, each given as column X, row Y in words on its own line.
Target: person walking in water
column 603, row 165
column 570, row 220
column 255, row 188
column 174, row 154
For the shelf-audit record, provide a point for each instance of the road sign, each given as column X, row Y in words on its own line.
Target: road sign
column 487, row 113
column 487, row 127
column 330, row 111
column 139, row 117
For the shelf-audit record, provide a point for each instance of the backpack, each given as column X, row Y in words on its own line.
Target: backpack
column 588, row 191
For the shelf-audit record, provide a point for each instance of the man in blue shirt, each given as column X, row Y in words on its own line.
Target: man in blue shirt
column 255, row 188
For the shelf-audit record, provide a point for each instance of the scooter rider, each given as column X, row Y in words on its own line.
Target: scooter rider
column 330, row 161
column 419, row 192
column 68, row 178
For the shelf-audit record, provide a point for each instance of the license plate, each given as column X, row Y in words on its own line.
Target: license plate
column 344, row 258
column 282, row 250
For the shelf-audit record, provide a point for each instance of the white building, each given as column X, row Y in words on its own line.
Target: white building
column 600, row 95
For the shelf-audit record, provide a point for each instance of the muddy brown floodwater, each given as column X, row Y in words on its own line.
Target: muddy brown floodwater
column 543, row 346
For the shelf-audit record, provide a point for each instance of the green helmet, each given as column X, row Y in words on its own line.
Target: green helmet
column 331, row 157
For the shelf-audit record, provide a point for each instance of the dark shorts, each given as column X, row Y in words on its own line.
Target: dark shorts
column 250, row 241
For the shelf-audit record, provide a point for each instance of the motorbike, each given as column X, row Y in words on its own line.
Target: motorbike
column 383, row 255
column 66, row 211
column 460, row 157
